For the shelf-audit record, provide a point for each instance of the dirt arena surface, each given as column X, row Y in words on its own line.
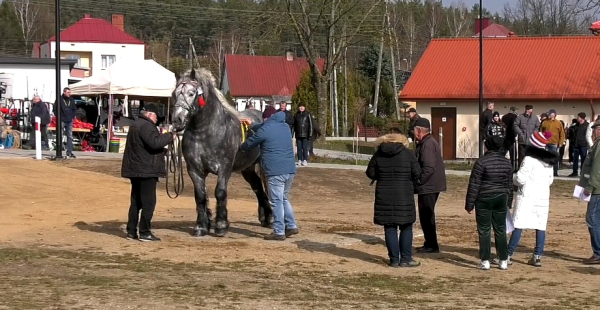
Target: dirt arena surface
column 62, row 247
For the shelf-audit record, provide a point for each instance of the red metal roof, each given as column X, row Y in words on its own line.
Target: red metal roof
column 95, row 30
column 256, row 76
column 531, row 68
column 495, row 30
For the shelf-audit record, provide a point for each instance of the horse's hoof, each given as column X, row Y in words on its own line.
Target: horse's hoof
column 200, row 233
column 265, row 224
column 220, row 232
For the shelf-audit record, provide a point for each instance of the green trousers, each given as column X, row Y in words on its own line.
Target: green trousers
column 490, row 211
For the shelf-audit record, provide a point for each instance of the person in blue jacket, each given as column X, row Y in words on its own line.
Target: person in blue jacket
column 278, row 162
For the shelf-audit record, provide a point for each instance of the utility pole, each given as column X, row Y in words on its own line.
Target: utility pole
column 378, row 78
column 59, row 127
column 190, row 60
column 345, row 108
column 389, row 26
column 332, row 81
column 481, row 106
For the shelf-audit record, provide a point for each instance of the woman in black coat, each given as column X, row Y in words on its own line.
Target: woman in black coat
column 490, row 194
column 395, row 168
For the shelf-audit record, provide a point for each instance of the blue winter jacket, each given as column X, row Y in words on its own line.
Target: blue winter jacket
column 276, row 148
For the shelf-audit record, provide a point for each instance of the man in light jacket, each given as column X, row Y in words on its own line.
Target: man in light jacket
column 588, row 134
column 524, row 126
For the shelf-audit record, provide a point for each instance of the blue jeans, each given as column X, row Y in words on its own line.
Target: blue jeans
column 399, row 250
column 68, row 131
column 578, row 151
column 283, row 214
column 302, row 148
column 554, row 148
column 592, row 218
column 515, row 237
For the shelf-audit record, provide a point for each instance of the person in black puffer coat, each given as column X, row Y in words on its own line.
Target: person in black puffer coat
column 396, row 170
column 490, row 194
column 303, row 130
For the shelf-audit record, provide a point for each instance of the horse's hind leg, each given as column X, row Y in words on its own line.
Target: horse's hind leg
column 202, row 226
column 265, row 213
column 221, row 221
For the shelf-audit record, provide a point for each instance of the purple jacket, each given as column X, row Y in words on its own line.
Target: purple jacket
column 270, row 110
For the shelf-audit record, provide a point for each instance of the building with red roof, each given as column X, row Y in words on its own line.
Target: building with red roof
column 259, row 80
column 558, row 73
column 95, row 43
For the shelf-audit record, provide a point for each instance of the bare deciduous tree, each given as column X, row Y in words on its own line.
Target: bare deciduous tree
column 433, row 16
column 458, row 19
column 310, row 18
column 548, row 17
column 27, row 14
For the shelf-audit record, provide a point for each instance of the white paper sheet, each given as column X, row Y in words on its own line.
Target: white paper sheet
column 578, row 193
column 510, row 226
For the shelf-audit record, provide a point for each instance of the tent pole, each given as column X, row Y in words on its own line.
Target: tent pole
column 109, row 134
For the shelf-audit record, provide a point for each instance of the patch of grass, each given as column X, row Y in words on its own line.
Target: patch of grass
column 337, row 161
column 345, row 146
column 460, row 166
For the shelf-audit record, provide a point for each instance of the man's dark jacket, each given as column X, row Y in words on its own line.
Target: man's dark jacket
column 144, row 155
column 509, row 120
column 40, row 109
column 580, row 131
column 491, row 174
column 396, row 170
column 411, row 126
column 68, row 108
column 486, row 117
column 433, row 175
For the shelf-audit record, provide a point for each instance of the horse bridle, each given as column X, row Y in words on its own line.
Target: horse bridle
column 199, row 94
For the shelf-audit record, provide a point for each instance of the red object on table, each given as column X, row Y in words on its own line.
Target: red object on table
column 76, row 124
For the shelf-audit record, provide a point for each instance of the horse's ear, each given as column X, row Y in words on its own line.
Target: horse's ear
column 193, row 74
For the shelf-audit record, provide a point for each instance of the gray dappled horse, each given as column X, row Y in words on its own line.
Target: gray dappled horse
column 211, row 144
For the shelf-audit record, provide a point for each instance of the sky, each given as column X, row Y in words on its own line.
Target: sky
column 492, row 5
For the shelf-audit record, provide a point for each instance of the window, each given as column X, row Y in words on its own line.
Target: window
column 108, row 60
column 76, row 57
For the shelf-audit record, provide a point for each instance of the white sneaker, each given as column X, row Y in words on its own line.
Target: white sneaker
column 305, row 163
column 496, row 261
column 484, row 265
column 299, row 163
column 503, row 265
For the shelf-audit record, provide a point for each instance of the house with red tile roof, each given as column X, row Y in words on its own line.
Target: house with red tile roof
column 95, row 43
column 560, row 73
column 260, row 80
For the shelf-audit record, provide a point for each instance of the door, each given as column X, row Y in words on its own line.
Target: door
column 443, row 120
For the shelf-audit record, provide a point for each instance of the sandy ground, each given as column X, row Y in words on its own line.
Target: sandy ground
column 62, row 247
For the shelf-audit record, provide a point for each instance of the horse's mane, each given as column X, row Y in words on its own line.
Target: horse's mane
column 207, row 80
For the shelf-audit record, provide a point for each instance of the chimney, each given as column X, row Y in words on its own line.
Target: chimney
column 483, row 23
column 118, row 20
column 289, row 56
column 86, row 16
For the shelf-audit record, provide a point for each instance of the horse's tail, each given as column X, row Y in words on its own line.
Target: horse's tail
column 263, row 177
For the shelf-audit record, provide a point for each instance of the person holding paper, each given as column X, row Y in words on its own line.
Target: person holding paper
column 590, row 181
column 533, row 196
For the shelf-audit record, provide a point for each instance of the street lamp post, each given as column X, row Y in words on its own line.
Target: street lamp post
column 59, row 127
column 481, row 106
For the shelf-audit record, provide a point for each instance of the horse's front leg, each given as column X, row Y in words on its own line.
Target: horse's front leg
column 221, row 222
column 202, row 226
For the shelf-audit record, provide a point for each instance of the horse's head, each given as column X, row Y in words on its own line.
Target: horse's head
column 187, row 96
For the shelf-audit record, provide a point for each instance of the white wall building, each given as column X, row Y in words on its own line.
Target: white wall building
column 95, row 44
column 26, row 77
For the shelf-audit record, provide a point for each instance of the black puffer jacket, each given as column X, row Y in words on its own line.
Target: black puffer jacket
column 144, row 155
column 303, row 127
column 495, row 129
column 395, row 168
column 491, row 174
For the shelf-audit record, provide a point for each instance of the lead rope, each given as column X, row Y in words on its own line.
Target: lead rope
column 244, row 130
column 175, row 168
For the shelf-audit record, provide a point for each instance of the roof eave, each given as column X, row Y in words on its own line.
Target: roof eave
column 475, row 97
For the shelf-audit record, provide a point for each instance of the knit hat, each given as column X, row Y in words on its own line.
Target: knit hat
column 496, row 114
column 581, row 114
column 540, row 140
column 494, row 143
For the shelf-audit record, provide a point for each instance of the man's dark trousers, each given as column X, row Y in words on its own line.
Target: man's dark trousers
column 490, row 211
column 522, row 148
column 427, row 219
column 143, row 197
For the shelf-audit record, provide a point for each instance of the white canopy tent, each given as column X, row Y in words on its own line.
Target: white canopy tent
column 144, row 78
